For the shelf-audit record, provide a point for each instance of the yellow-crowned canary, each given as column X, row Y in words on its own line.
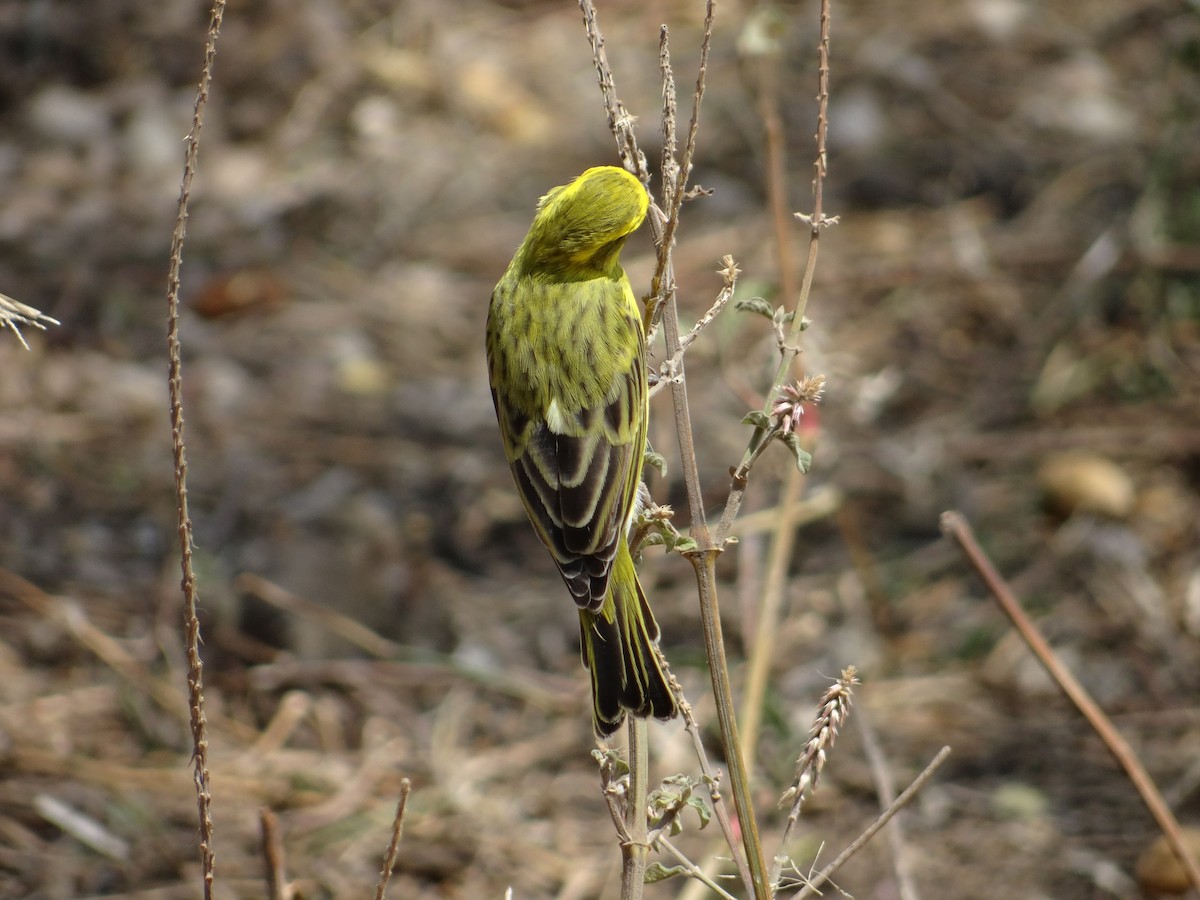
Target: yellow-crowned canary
column 567, row 362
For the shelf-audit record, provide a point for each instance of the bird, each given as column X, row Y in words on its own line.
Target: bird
column 566, row 355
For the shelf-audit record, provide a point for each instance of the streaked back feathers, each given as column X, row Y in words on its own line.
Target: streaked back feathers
column 567, row 364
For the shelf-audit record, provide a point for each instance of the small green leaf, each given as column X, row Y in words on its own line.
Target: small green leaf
column 755, row 305
column 658, row 872
column 653, row 539
column 685, row 545
column 701, row 809
column 681, row 780
column 758, row 419
column 803, row 457
column 783, row 316
column 661, row 801
column 612, row 758
column 655, row 461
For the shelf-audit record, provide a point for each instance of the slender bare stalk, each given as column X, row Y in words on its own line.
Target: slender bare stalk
column 956, row 527
column 758, row 668
column 635, row 848
column 272, row 848
column 393, row 850
column 175, row 387
column 720, row 809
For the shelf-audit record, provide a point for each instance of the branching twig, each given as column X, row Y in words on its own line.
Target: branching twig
column 675, row 176
column 817, row 220
column 175, row 387
column 955, row 526
column 670, row 369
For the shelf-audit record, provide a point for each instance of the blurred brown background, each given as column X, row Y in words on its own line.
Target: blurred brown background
column 1008, row 315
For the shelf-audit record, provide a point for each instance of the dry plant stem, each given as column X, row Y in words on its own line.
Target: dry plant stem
column 635, row 847
column 767, row 71
column 703, row 559
column 620, row 122
column 759, row 667
column 675, row 177
column 955, row 526
column 393, row 850
column 720, row 809
column 704, row 563
column 784, row 537
column 175, row 387
column 272, row 848
column 886, row 788
column 789, row 350
column 813, row 886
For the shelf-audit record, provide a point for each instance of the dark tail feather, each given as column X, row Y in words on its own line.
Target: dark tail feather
column 621, row 656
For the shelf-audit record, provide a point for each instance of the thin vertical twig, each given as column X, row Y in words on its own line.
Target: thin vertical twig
column 272, row 848
column 720, row 808
column 393, row 850
column 956, row 527
column 758, row 669
column 676, row 175
column 784, row 537
column 175, row 388
column 816, row 220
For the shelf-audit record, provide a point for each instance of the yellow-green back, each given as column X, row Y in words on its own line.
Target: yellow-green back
column 566, row 356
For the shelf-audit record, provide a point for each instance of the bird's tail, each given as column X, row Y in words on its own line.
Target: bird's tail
column 618, row 648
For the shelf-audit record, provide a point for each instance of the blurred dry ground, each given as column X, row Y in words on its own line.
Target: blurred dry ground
column 1008, row 316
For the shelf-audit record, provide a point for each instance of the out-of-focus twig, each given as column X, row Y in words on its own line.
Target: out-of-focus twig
column 272, row 849
column 956, row 527
column 885, row 786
